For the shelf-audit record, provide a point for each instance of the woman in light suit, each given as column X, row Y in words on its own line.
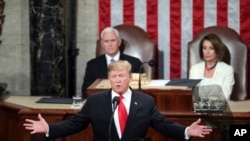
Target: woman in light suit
column 212, row 70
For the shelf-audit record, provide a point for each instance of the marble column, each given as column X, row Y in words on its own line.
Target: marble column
column 52, row 47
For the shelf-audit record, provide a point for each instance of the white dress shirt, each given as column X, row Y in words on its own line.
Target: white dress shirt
column 115, row 58
column 126, row 101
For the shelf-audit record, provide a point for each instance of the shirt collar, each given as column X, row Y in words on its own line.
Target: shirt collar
column 116, row 57
column 126, row 95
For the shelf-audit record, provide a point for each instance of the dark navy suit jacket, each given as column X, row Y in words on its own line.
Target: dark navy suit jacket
column 97, row 111
column 98, row 68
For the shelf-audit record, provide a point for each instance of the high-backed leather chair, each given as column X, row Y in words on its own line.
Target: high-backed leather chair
column 236, row 56
column 137, row 43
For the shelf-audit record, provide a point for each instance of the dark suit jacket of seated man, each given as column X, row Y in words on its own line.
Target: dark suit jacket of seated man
column 97, row 67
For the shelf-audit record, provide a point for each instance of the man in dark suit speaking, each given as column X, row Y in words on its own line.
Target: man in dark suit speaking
column 135, row 113
column 97, row 67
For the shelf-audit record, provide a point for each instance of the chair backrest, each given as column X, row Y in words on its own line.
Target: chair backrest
column 236, row 56
column 136, row 43
column 3, row 87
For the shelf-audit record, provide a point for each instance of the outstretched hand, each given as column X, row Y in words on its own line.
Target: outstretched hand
column 197, row 130
column 39, row 126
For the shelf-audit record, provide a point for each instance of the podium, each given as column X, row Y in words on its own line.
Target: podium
column 167, row 98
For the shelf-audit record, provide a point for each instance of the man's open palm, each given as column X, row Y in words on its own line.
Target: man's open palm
column 39, row 126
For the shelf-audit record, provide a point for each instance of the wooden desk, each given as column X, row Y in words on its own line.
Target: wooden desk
column 15, row 109
column 168, row 99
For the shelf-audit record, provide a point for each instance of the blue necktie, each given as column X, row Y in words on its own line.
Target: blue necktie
column 112, row 60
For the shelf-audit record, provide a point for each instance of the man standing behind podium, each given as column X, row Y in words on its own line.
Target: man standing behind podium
column 98, row 110
column 97, row 67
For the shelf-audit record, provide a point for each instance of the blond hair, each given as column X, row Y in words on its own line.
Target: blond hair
column 120, row 64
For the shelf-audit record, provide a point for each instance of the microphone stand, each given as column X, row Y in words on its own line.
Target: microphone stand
column 140, row 71
column 150, row 63
column 116, row 102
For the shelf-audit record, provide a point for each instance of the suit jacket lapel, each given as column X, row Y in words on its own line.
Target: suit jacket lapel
column 103, row 64
column 107, row 105
column 122, row 57
column 134, row 105
column 217, row 73
column 202, row 70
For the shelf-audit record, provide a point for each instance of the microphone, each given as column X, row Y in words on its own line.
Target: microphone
column 151, row 63
column 115, row 102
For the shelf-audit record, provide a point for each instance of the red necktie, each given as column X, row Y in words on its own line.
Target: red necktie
column 122, row 114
